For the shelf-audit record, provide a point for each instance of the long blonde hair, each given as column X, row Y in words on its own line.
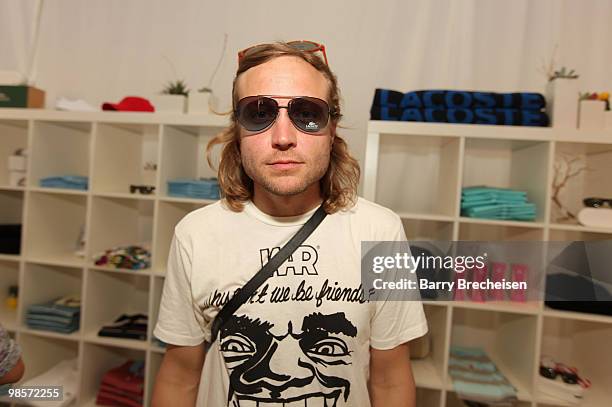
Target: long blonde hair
column 340, row 181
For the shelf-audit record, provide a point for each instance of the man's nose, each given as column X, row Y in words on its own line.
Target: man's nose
column 284, row 134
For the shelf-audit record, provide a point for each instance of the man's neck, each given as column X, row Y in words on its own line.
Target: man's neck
column 294, row 205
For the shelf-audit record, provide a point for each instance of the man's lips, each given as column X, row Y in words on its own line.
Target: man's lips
column 284, row 164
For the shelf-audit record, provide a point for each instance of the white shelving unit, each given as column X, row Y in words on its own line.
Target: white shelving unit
column 424, row 167
column 419, row 169
column 111, row 149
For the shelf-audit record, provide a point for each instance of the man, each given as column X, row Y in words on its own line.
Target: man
column 309, row 336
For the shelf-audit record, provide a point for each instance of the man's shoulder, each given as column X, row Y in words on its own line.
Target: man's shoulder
column 373, row 214
column 203, row 218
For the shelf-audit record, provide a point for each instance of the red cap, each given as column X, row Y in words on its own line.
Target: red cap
column 130, row 104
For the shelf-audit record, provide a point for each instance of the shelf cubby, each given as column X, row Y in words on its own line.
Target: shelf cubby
column 58, row 149
column 11, row 214
column 97, row 360
column 571, row 342
column 428, row 397
column 9, row 275
column 109, row 295
column 423, row 170
column 43, row 283
column 119, row 222
column 508, row 338
column 41, row 353
column 429, row 372
column 424, row 229
column 120, row 154
column 168, row 215
column 481, row 231
column 592, row 182
column 184, row 154
column 453, row 400
column 13, row 136
column 53, row 227
column 516, row 164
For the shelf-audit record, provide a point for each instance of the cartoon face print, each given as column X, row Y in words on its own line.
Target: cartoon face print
column 295, row 367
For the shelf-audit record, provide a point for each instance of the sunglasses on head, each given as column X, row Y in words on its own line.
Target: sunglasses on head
column 257, row 113
column 597, row 202
column 305, row 46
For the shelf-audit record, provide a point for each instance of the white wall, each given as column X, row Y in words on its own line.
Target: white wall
column 101, row 50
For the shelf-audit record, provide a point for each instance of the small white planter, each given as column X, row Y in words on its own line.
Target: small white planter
column 562, row 103
column 592, row 114
column 169, row 103
column 198, row 103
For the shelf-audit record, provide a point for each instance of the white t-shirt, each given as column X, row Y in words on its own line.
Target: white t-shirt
column 304, row 338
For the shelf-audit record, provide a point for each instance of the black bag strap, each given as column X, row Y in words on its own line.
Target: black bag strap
column 266, row 272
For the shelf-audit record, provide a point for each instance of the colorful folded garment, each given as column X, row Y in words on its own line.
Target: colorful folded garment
column 206, row 188
column 491, row 116
column 496, row 203
column 475, row 377
column 66, row 181
column 458, row 99
column 127, row 257
column 127, row 377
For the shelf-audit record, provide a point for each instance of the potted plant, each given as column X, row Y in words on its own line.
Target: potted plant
column 562, row 91
column 173, row 98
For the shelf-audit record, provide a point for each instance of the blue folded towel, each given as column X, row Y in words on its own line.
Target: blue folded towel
column 66, row 181
column 194, row 188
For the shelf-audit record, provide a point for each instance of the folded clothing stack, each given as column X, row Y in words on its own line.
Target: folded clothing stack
column 127, row 257
column 204, row 188
column 123, row 385
column 65, row 181
column 496, row 203
column 457, row 106
column 60, row 315
column 10, row 238
column 128, row 326
column 475, row 377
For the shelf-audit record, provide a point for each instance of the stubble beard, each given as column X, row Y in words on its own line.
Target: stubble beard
column 286, row 183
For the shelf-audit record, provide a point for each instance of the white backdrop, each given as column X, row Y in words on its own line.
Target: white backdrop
column 102, row 50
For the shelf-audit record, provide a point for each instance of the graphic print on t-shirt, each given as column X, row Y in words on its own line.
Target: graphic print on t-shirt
column 251, row 351
column 297, row 361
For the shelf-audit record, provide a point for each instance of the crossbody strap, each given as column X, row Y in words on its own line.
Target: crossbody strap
column 266, row 271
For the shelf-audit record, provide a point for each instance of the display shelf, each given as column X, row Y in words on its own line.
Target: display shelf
column 430, row 372
column 9, row 275
column 452, row 400
column 578, row 234
column 111, row 269
column 419, row 229
column 42, row 353
column 572, row 342
column 42, row 283
column 199, row 202
column 119, row 222
column 508, row 339
column 54, row 223
column 63, row 191
column 483, row 231
column 58, row 149
column 120, row 154
column 110, row 295
column 73, row 336
column 183, row 154
column 13, row 136
column 577, row 316
column 97, row 360
column 410, row 158
column 515, row 164
column 121, row 195
column 526, row 308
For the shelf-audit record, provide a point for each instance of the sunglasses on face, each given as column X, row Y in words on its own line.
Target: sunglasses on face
column 304, row 46
column 257, row 113
column 597, row 202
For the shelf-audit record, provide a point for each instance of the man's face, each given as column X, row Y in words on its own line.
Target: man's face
column 282, row 160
